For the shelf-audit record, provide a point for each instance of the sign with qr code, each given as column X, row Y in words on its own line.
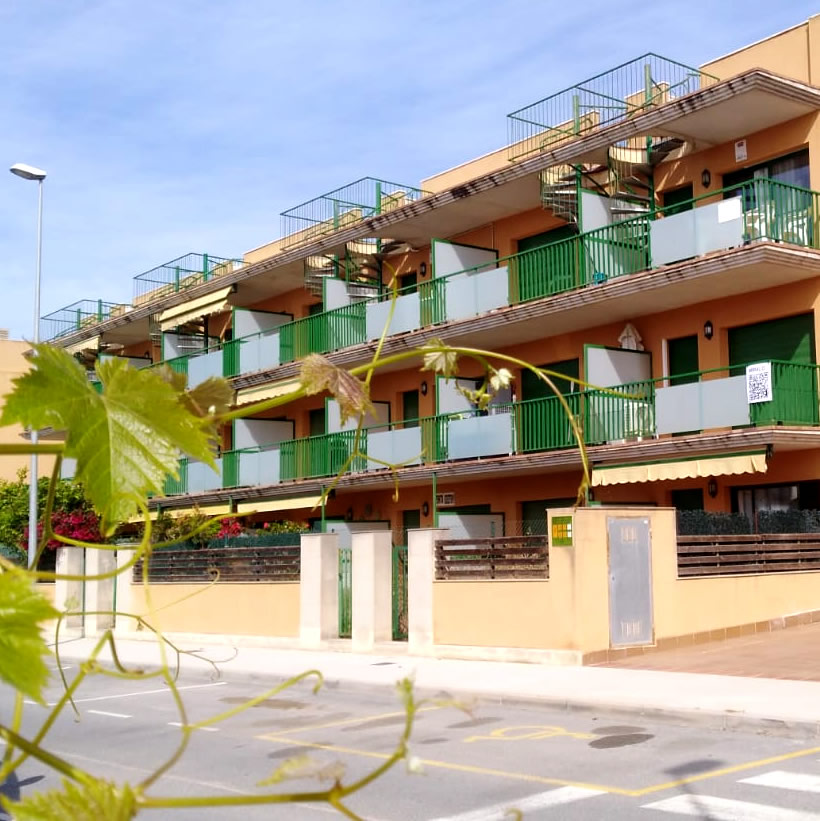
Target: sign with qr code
column 759, row 382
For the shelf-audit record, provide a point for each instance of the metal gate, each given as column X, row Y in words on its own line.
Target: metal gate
column 399, row 592
column 630, row 582
column 345, row 592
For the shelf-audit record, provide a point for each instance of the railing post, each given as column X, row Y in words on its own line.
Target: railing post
column 421, row 574
column 176, row 279
column 204, row 267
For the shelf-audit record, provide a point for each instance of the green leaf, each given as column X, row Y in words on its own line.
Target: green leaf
column 125, row 440
column 440, row 358
column 96, row 800
column 22, row 646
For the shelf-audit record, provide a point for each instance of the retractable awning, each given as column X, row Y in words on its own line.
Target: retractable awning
column 270, row 505
column 726, row 465
column 92, row 344
column 175, row 512
column 259, row 394
column 204, row 306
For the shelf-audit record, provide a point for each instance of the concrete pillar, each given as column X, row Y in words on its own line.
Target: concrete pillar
column 421, row 573
column 372, row 584
column 99, row 595
column 68, row 595
column 319, row 588
column 123, row 593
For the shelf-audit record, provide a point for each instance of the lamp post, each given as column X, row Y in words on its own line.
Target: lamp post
column 29, row 172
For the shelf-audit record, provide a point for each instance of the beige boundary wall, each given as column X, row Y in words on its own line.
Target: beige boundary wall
column 252, row 609
column 570, row 611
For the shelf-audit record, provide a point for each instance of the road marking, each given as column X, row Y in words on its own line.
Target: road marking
column 204, row 729
column 449, row 765
column 345, row 722
column 727, row 809
column 139, row 693
column 551, row 798
column 803, row 782
column 528, row 732
column 106, row 713
column 735, row 768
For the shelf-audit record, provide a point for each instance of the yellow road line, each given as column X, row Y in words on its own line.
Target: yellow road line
column 448, row 765
column 346, row 722
column 540, row 779
column 735, row 768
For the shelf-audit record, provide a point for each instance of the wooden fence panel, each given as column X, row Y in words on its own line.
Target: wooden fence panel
column 512, row 557
column 231, row 564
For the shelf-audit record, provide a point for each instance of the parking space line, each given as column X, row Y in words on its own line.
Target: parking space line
column 139, row 693
column 110, row 715
column 541, row 801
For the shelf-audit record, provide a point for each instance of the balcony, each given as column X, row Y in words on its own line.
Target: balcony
column 469, row 281
column 686, row 403
column 78, row 316
column 180, row 274
column 613, row 96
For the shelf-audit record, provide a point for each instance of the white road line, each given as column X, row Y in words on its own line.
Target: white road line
column 804, row 782
column 140, row 693
column 204, row 729
column 727, row 809
column 551, row 798
column 105, row 713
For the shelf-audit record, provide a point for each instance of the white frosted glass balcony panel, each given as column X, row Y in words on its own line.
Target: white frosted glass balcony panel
column 201, row 477
column 406, row 316
column 479, row 436
column 259, row 353
column 468, row 295
column 68, row 468
column 715, row 403
column 259, row 468
column 394, row 446
column 203, row 367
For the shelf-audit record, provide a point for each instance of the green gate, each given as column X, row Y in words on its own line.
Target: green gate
column 345, row 592
column 399, row 592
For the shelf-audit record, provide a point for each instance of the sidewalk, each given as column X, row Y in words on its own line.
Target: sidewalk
column 763, row 705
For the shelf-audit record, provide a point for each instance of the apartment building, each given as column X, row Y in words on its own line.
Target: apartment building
column 653, row 230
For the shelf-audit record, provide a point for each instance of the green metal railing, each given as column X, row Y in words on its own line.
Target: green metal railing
column 538, row 425
column 180, row 274
column 617, row 94
column 344, row 207
column 345, row 592
column 175, row 487
column 230, row 358
column 78, row 316
column 322, row 333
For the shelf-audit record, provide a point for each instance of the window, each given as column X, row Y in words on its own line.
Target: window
column 317, row 422
column 407, row 283
column 410, row 408
column 688, row 498
column 792, row 169
column 683, row 359
column 677, row 200
column 797, row 496
column 315, row 309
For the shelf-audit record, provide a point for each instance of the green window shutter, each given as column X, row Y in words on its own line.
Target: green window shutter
column 533, row 388
column 683, row 359
column 790, row 339
column 547, row 237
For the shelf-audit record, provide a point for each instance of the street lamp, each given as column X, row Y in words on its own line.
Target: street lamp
column 29, row 172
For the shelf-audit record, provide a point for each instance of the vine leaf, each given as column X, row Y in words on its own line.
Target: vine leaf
column 439, row 358
column 22, row 647
column 89, row 800
column 125, row 439
column 320, row 374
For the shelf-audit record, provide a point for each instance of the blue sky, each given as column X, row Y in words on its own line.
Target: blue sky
column 169, row 126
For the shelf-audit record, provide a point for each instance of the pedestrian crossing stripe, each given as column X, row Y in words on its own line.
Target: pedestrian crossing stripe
column 781, row 779
column 727, row 809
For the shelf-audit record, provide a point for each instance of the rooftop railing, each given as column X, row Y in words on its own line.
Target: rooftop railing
column 606, row 98
column 344, row 207
column 78, row 316
column 181, row 273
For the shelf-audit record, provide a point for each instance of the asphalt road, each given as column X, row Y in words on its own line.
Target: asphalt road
column 550, row 764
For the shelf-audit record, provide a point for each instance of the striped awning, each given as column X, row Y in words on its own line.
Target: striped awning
column 259, row 394
column 176, row 512
column 90, row 344
column 270, row 505
column 194, row 309
column 725, row 465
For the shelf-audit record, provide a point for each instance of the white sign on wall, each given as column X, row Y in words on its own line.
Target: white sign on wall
column 741, row 154
column 759, row 382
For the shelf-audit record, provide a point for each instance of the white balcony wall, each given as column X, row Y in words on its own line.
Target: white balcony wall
column 259, row 352
column 469, row 295
column 450, row 257
column 377, row 419
column 715, row 403
column 479, row 436
column 204, row 367
column 693, row 233
column 68, row 468
column 406, row 316
column 252, row 433
column 202, row 477
column 395, row 447
column 260, row 467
